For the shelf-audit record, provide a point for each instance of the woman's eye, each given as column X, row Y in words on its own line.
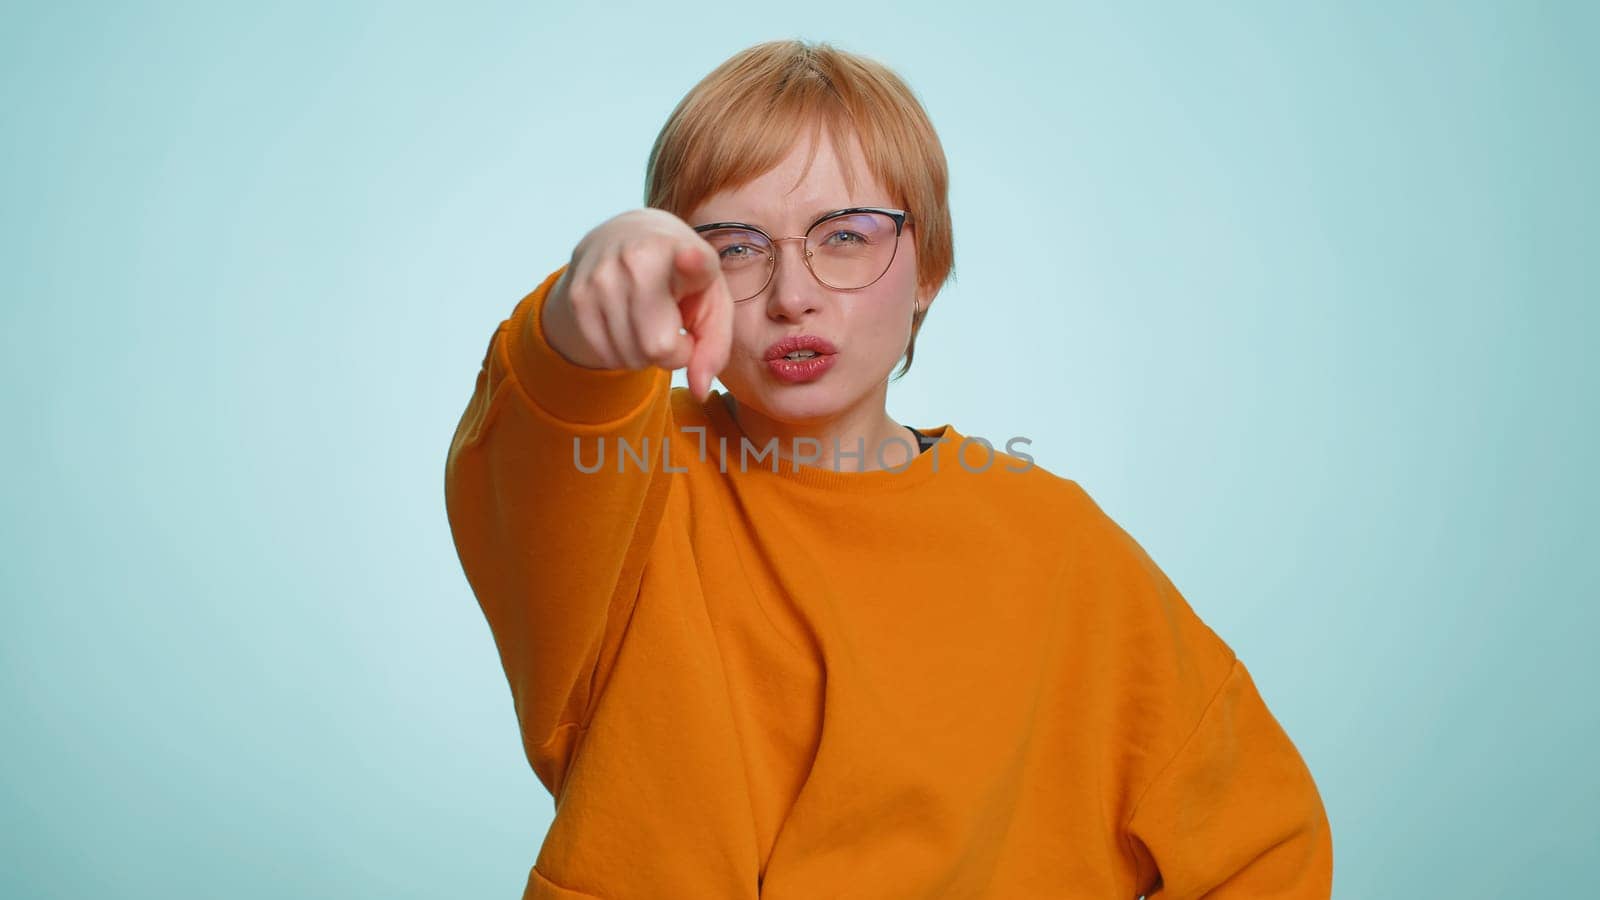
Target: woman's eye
column 849, row 237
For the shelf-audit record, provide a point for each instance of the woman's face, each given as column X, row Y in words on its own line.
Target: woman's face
column 868, row 328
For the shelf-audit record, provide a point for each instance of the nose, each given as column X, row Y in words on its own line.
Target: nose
column 794, row 293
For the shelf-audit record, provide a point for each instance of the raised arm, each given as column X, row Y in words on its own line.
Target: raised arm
column 554, row 553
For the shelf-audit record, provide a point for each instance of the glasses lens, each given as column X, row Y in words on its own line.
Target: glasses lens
column 853, row 250
column 746, row 258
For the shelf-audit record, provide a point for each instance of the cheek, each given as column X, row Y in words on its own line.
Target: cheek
column 889, row 322
column 893, row 300
column 748, row 328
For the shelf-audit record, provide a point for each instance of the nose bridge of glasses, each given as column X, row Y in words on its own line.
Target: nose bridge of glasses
column 805, row 259
column 805, row 251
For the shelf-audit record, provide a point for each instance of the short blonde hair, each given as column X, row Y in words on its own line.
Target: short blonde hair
column 743, row 118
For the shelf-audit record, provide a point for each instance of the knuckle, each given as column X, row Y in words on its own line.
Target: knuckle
column 635, row 256
column 657, row 345
column 605, row 283
column 580, row 291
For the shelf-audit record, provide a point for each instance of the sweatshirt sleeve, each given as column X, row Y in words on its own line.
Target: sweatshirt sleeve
column 554, row 554
column 1235, row 812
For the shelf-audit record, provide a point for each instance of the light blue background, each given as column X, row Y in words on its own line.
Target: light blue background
column 1301, row 294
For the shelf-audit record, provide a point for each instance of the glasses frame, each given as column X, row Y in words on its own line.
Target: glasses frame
column 901, row 218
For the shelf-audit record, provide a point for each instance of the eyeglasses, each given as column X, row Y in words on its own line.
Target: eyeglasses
column 847, row 250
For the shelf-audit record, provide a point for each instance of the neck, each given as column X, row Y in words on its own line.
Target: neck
column 865, row 427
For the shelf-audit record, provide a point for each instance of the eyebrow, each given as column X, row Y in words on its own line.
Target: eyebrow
column 815, row 217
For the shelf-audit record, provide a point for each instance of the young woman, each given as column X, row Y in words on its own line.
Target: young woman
column 772, row 642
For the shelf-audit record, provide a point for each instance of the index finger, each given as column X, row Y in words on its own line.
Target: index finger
column 709, row 320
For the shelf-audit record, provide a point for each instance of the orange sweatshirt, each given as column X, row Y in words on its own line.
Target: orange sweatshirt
column 958, row 680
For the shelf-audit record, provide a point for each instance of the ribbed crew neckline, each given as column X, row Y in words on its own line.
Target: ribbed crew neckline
column 923, row 465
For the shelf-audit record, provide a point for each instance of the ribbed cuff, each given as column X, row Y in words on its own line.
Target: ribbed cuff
column 567, row 391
